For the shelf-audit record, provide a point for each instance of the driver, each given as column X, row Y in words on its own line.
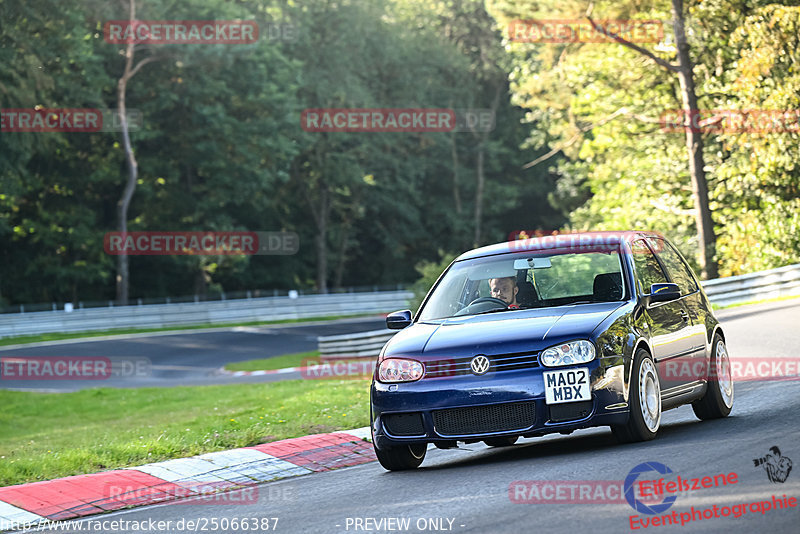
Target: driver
column 505, row 289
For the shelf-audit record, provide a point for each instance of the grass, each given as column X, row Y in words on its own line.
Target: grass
column 276, row 362
column 763, row 301
column 45, row 436
column 56, row 336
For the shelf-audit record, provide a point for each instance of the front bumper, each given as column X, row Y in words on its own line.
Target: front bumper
column 471, row 408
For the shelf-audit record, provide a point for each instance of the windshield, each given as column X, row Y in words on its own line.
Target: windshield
column 519, row 281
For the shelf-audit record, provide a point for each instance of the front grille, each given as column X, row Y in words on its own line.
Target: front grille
column 484, row 419
column 570, row 411
column 512, row 361
column 404, row 424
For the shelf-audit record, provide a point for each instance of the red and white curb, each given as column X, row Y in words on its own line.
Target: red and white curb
column 173, row 480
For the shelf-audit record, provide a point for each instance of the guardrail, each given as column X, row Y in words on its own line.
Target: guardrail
column 774, row 283
column 217, row 312
column 780, row 282
column 359, row 345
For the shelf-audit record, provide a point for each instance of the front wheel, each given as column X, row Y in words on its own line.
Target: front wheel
column 644, row 402
column 718, row 400
column 401, row 458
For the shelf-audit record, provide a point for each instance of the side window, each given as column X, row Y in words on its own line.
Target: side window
column 648, row 271
column 675, row 266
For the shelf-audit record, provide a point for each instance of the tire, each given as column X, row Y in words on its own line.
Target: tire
column 501, row 442
column 401, row 458
column 644, row 402
column 718, row 400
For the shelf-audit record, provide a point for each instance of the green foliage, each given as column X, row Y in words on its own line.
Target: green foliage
column 758, row 188
column 430, row 272
column 621, row 170
column 572, row 275
column 221, row 147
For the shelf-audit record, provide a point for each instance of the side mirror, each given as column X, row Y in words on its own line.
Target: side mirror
column 399, row 320
column 664, row 292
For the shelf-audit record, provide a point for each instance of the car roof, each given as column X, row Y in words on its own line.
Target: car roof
column 557, row 240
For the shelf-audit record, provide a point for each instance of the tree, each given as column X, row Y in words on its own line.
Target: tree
column 694, row 139
column 577, row 121
column 124, row 203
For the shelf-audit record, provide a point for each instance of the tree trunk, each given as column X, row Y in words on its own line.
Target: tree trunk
column 200, row 282
column 481, row 180
column 321, row 214
column 320, row 240
column 456, row 184
column 707, row 240
column 123, row 279
column 480, row 175
column 342, row 260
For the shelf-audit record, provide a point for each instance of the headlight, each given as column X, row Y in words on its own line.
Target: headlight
column 399, row 370
column 581, row 351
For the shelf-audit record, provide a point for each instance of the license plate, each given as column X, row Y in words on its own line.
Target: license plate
column 566, row 385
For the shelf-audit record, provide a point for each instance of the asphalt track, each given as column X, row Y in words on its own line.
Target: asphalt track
column 188, row 358
column 471, row 490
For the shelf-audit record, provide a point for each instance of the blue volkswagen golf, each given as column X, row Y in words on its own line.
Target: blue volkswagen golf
column 551, row 334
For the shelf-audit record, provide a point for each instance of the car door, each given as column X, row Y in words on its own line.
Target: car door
column 678, row 273
column 668, row 322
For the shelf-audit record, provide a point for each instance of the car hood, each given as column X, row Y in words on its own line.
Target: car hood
column 498, row 333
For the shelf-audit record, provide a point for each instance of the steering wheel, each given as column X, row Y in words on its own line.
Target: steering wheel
column 489, row 299
column 468, row 308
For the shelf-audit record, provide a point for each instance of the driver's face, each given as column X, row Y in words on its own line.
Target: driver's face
column 504, row 289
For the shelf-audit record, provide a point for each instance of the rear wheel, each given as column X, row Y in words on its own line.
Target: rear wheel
column 501, row 442
column 401, row 458
column 644, row 402
column 718, row 400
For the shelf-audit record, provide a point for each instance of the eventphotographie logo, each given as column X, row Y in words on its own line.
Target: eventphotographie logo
column 636, row 503
column 777, row 466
